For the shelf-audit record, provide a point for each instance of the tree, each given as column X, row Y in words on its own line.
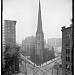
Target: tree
column 11, row 60
column 32, row 54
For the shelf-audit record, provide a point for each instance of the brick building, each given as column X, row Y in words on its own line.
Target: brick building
column 67, row 44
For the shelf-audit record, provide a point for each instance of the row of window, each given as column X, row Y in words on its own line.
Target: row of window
column 9, row 25
column 9, row 31
column 10, row 43
column 8, row 28
column 9, row 34
column 9, row 37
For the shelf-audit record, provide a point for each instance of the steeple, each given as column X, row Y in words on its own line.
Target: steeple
column 39, row 26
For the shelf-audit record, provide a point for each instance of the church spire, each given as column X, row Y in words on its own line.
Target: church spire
column 39, row 38
column 39, row 27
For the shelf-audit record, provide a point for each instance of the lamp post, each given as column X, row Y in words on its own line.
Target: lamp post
column 25, row 67
column 56, row 66
column 52, row 71
column 57, row 71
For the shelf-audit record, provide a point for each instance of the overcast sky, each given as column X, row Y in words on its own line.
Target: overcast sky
column 55, row 14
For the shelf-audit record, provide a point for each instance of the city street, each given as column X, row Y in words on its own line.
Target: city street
column 39, row 70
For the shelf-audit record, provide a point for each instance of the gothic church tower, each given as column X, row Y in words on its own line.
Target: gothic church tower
column 39, row 37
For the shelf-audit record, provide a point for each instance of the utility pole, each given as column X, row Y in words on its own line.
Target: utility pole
column 57, row 71
column 25, row 68
column 52, row 71
column 56, row 67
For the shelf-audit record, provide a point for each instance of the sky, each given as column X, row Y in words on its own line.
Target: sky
column 55, row 14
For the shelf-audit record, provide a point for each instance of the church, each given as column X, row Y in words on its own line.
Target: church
column 40, row 54
column 39, row 38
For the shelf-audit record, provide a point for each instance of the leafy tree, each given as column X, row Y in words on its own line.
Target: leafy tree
column 11, row 55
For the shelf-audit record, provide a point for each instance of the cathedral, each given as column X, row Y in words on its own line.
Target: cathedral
column 39, row 38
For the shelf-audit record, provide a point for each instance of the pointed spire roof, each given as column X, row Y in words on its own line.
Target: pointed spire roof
column 39, row 27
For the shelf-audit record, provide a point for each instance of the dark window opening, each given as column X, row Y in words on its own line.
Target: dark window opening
column 67, row 67
column 66, row 58
column 67, row 51
column 69, row 59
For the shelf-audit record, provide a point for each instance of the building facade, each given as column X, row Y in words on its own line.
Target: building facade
column 9, row 47
column 39, row 37
column 9, row 33
column 28, row 43
column 55, row 42
column 67, row 50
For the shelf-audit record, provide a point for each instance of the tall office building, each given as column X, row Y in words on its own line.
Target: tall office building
column 8, row 36
column 9, row 45
column 67, row 44
column 9, row 33
column 39, row 37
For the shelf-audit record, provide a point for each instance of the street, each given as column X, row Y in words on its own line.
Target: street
column 47, row 69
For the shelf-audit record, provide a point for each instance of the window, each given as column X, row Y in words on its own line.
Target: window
column 66, row 44
column 67, row 51
column 8, row 27
column 13, row 43
column 12, row 34
column 13, row 31
column 69, row 35
column 69, row 59
column 8, row 30
column 13, row 37
column 66, row 58
column 68, row 67
column 13, row 25
column 66, row 36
